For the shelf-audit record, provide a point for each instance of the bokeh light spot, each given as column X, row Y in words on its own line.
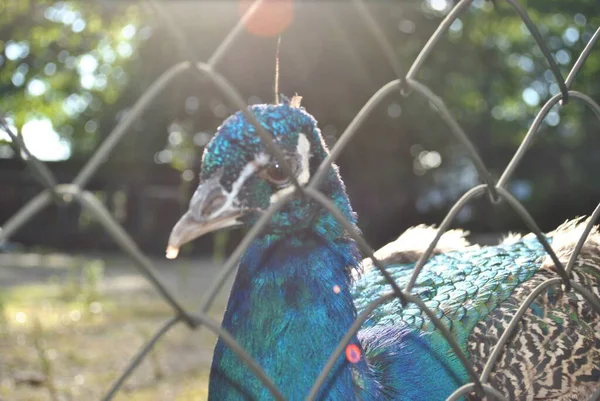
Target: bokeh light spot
column 96, row 307
column 187, row 175
column 271, row 17
column 75, row 315
column 336, row 289
column 202, row 138
column 20, row 317
column 394, row 110
column 531, row 97
column 353, row 353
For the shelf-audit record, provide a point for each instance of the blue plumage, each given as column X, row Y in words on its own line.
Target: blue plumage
column 301, row 283
column 285, row 293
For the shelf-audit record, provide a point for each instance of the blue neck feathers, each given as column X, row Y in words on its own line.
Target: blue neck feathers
column 284, row 298
column 289, row 307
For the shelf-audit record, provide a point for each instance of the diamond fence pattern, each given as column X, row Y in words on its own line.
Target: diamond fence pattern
column 405, row 83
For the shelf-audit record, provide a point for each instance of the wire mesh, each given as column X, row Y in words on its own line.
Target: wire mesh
column 406, row 83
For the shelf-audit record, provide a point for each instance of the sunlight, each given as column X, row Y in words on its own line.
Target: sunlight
column 42, row 141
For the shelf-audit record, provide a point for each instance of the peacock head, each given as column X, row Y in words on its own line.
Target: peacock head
column 240, row 179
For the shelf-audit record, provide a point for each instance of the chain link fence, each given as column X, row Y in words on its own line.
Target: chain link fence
column 406, row 84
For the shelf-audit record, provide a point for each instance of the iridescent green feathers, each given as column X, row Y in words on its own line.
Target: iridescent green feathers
column 553, row 354
column 461, row 287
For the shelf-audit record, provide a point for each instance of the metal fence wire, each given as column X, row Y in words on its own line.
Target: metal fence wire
column 406, row 83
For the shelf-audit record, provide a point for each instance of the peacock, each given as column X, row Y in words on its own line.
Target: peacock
column 301, row 283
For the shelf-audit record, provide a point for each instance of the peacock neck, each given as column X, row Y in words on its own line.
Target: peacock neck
column 289, row 307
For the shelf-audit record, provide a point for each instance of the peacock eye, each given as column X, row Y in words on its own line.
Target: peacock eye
column 274, row 173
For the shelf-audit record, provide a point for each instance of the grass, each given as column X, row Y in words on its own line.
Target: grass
column 68, row 341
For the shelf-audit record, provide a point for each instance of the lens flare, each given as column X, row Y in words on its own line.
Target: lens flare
column 271, row 17
column 353, row 353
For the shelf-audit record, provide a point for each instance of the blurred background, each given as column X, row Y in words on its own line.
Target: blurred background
column 73, row 309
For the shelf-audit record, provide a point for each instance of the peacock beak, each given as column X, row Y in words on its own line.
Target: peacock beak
column 189, row 228
column 210, row 210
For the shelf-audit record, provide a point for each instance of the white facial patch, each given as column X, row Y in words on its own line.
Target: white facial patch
column 249, row 169
column 303, row 149
column 281, row 193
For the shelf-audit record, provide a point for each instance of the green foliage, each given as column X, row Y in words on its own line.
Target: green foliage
column 494, row 79
column 63, row 61
column 487, row 69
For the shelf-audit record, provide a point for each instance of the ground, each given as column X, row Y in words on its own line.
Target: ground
column 70, row 325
